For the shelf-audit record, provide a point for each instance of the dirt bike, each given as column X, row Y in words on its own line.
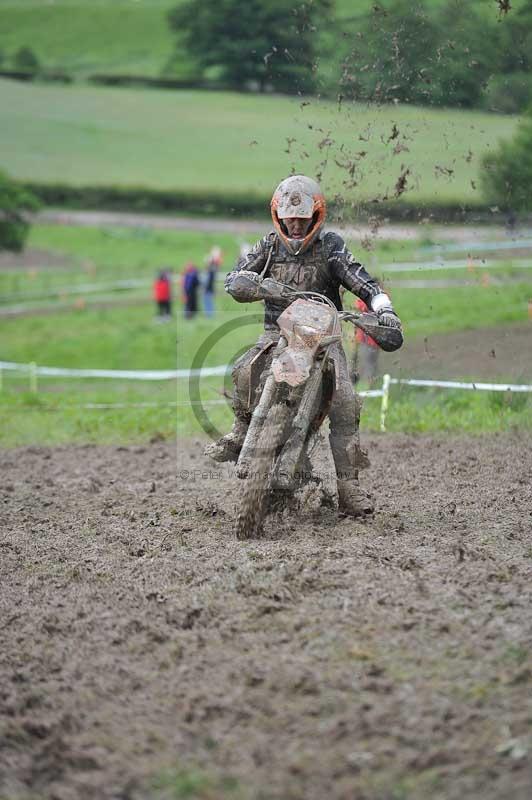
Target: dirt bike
column 296, row 393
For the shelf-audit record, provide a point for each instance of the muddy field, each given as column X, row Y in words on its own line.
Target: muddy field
column 487, row 354
column 146, row 654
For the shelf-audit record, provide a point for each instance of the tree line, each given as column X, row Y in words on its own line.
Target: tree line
column 449, row 53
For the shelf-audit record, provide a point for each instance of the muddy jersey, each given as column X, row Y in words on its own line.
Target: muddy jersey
column 324, row 267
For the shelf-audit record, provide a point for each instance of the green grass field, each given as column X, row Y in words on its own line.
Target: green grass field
column 86, row 255
column 126, row 337
column 101, row 255
column 80, row 35
column 89, row 45
column 214, row 142
column 57, row 414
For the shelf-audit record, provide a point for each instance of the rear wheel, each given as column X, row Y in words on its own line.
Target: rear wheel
column 253, row 504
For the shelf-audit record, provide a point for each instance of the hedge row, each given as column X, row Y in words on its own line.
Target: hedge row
column 144, row 82
column 152, row 201
column 110, row 79
column 48, row 76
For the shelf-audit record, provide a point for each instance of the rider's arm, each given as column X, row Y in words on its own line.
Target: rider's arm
column 353, row 276
column 243, row 282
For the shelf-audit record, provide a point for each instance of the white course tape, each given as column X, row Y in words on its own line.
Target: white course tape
column 174, row 404
column 486, row 387
column 432, row 266
column 170, row 374
column 465, row 247
column 383, row 393
column 80, row 288
column 139, row 375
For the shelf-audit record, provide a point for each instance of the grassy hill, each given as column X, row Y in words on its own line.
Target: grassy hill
column 80, row 36
column 216, row 142
column 83, row 36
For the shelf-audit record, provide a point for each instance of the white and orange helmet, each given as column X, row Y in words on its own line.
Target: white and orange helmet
column 298, row 196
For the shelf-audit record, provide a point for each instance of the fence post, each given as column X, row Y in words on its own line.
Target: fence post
column 33, row 376
column 385, row 399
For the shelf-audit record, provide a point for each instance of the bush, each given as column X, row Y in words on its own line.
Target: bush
column 507, row 172
column 466, row 56
column 255, row 45
column 508, row 94
column 416, row 53
column 391, row 54
column 15, row 203
column 25, row 60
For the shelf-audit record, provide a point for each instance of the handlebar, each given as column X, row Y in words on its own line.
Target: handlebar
column 289, row 292
column 387, row 338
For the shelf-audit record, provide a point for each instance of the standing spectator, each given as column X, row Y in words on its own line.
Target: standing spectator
column 366, row 352
column 190, row 284
column 162, row 294
column 214, row 261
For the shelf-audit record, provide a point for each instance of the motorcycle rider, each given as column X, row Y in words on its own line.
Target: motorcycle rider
column 299, row 254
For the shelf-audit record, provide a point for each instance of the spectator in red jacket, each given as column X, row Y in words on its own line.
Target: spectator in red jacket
column 162, row 294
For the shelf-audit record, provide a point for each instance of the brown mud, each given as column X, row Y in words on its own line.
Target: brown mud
column 144, row 653
column 484, row 354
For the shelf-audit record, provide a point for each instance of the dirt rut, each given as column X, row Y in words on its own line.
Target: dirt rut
column 144, row 653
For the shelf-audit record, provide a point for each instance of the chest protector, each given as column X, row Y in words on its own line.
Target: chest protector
column 308, row 272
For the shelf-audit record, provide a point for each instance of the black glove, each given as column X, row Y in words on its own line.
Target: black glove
column 388, row 318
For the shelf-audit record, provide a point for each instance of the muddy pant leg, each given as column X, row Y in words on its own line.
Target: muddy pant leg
column 242, row 389
column 228, row 447
column 247, row 372
column 344, row 416
column 246, row 378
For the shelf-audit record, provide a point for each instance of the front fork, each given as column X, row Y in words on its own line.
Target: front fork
column 285, row 472
column 259, row 414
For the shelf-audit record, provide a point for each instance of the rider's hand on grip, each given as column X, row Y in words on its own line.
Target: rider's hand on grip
column 244, row 286
column 389, row 337
column 388, row 318
column 273, row 289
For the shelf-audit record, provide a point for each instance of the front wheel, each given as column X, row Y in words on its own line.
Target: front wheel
column 254, row 496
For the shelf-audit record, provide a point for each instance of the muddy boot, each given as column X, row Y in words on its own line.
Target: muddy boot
column 229, row 446
column 354, row 501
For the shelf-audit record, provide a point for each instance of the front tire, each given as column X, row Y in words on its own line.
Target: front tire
column 253, row 504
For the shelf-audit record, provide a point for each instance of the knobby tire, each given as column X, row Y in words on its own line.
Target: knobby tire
column 254, row 496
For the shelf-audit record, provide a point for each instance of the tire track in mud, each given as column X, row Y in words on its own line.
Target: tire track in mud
column 332, row 658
